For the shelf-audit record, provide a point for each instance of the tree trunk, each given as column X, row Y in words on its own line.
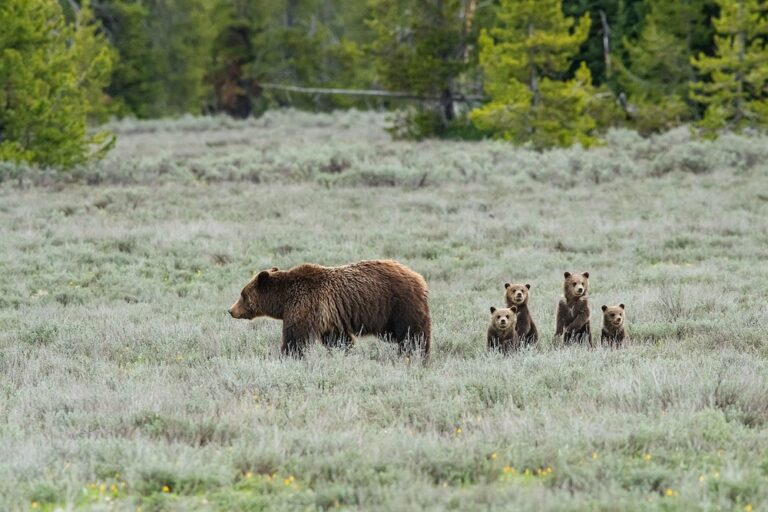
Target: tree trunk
column 534, row 80
column 606, row 44
column 741, row 44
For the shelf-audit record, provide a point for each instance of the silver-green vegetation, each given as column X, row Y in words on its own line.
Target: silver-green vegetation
column 124, row 383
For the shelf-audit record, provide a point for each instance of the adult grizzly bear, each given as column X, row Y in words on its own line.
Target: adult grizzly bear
column 334, row 304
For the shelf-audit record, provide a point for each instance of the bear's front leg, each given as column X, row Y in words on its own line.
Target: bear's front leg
column 295, row 338
column 562, row 314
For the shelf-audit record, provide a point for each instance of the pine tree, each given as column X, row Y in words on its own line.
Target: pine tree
column 51, row 77
column 308, row 43
column 425, row 47
column 736, row 95
column 164, row 49
column 658, row 68
column 612, row 22
column 525, row 58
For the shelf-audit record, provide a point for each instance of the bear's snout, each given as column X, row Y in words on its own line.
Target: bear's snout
column 237, row 310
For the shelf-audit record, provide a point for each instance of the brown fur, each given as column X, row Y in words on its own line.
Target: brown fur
column 502, row 330
column 517, row 295
column 614, row 331
column 573, row 310
column 333, row 304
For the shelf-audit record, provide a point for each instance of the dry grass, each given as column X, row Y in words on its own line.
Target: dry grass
column 123, row 383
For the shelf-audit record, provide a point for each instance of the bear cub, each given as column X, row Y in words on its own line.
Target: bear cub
column 502, row 332
column 573, row 310
column 614, row 331
column 517, row 296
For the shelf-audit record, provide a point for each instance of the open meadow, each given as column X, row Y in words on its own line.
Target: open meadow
column 124, row 383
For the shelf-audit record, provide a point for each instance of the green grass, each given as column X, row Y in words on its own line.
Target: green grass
column 124, row 383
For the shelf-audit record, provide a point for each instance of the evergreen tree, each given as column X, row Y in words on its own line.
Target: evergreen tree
column 309, row 43
column 612, row 22
column 736, row 95
column 51, row 77
column 165, row 50
column 659, row 62
column 426, row 47
column 525, row 59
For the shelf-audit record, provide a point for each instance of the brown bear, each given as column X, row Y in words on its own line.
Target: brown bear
column 573, row 310
column 517, row 295
column 614, row 331
column 333, row 304
column 502, row 331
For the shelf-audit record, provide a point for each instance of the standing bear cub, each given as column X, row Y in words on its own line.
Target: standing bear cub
column 573, row 310
column 334, row 304
column 614, row 331
column 517, row 296
column 502, row 332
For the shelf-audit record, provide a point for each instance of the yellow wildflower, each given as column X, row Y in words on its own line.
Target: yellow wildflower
column 166, row 488
column 748, row 507
column 594, row 455
column 34, row 504
column 671, row 492
column 102, row 487
column 701, row 478
column 493, row 456
column 647, row 457
column 458, row 430
column 249, row 475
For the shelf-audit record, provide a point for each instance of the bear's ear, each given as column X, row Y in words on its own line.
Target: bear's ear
column 586, row 274
column 274, row 269
column 604, row 307
column 507, row 285
column 493, row 310
column 528, row 286
column 621, row 306
column 567, row 275
column 513, row 309
column 262, row 278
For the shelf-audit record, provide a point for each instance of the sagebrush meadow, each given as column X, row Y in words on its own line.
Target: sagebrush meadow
column 124, row 383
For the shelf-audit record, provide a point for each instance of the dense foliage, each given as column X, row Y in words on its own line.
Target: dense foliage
column 549, row 73
column 51, row 78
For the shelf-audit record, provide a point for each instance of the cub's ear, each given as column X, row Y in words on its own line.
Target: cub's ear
column 567, row 275
column 604, row 307
column 621, row 306
column 262, row 278
column 586, row 274
column 528, row 286
column 274, row 269
column 493, row 310
column 507, row 285
column 513, row 309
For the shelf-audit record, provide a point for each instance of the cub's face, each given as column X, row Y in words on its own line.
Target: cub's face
column 504, row 318
column 253, row 296
column 613, row 315
column 517, row 293
column 576, row 285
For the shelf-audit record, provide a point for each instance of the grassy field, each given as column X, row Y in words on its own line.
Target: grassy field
column 124, row 383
